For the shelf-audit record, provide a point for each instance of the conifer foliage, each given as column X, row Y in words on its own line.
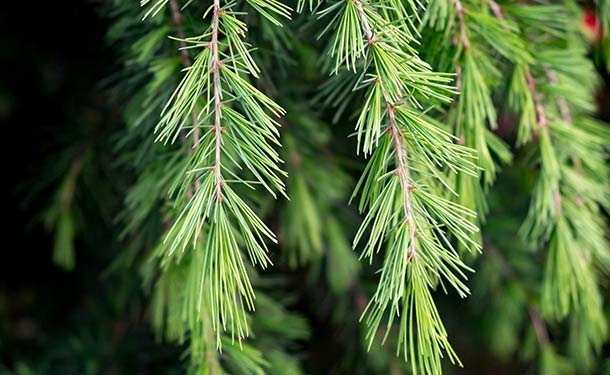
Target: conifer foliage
column 353, row 146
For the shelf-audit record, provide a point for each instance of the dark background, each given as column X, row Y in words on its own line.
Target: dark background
column 54, row 60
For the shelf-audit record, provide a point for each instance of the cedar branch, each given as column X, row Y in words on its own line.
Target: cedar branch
column 401, row 152
column 402, row 169
column 216, row 64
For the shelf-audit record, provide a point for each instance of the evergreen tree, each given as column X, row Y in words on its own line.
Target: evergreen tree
column 462, row 132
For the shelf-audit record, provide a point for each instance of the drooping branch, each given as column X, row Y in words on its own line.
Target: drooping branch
column 217, row 129
column 402, row 170
column 402, row 166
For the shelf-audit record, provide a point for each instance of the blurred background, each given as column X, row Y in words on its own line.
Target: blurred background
column 54, row 106
column 55, row 110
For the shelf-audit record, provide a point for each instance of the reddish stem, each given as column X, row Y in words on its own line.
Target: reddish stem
column 401, row 152
column 496, row 9
column 540, row 114
column 463, row 35
column 216, row 65
column 402, row 169
column 365, row 23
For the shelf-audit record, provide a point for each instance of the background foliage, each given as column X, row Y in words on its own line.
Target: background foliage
column 87, row 188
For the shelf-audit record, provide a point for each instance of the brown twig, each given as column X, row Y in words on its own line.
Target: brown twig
column 463, row 35
column 540, row 113
column 496, row 9
column 217, row 129
column 402, row 170
column 216, row 65
column 186, row 61
column 365, row 23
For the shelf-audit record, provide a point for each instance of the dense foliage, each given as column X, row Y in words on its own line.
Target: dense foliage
column 321, row 173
